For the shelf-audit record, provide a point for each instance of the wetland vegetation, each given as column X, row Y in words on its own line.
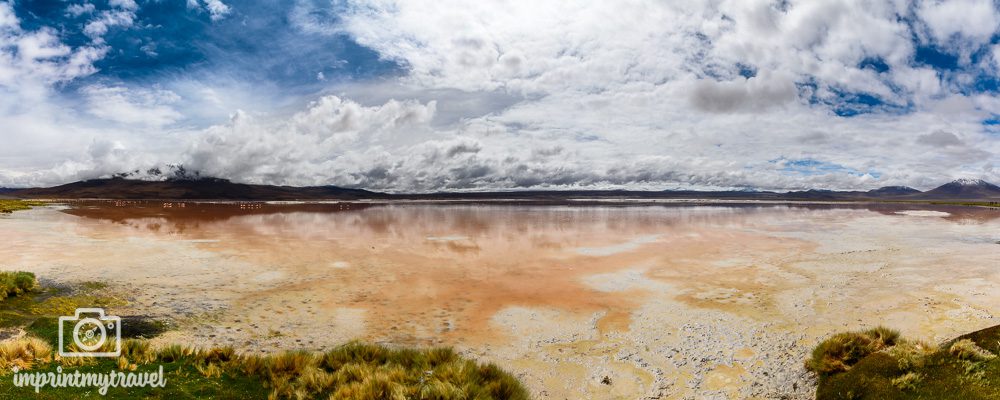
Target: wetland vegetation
column 9, row 206
column 879, row 364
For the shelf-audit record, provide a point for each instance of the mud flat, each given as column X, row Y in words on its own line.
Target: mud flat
column 659, row 301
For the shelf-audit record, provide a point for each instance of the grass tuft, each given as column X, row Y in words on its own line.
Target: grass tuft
column 966, row 349
column 908, row 381
column 138, row 351
column 24, row 353
column 911, row 355
column 16, row 283
column 961, row 369
column 843, row 350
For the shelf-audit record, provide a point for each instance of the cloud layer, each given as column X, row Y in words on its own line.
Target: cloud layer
column 452, row 95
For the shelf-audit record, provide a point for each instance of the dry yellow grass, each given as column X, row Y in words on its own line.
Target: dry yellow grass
column 966, row 349
column 24, row 353
column 351, row 371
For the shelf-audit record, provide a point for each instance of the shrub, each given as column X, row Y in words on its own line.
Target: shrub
column 209, row 370
column 911, row 355
column 23, row 353
column 174, row 353
column 966, row 349
column 16, row 283
column 138, row 351
column 843, row 350
column 215, row 355
column 908, row 381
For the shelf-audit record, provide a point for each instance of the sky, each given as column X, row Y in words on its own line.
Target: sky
column 434, row 95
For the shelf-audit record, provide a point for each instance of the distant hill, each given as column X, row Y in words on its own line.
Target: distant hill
column 886, row 192
column 891, row 191
column 965, row 189
column 191, row 189
column 221, row 189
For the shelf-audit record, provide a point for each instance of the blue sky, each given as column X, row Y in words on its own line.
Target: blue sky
column 171, row 41
column 166, row 38
column 423, row 96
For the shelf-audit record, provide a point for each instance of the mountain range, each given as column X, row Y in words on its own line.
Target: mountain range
column 190, row 189
column 221, row 189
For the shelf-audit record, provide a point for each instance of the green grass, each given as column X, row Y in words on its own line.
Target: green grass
column 182, row 376
column 36, row 302
column 840, row 352
column 16, row 283
column 8, row 206
column 965, row 368
column 352, row 371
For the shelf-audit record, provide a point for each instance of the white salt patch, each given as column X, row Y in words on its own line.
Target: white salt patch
column 269, row 276
column 618, row 248
column 621, row 281
column 732, row 262
column 447, row 238
column 530, row 324
column 923, row 213
column 350, row 321
column 340, row 264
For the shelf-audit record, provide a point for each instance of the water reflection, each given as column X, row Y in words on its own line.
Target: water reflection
column 444, row 270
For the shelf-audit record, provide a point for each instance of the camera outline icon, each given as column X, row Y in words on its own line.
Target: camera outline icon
column 102, row 322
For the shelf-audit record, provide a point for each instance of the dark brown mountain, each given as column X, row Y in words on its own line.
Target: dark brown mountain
column 892, row 191
column 191, row 189
column 885, row 192
column 964, row 189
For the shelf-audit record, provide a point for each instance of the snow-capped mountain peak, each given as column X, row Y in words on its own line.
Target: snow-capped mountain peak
column 969, row 182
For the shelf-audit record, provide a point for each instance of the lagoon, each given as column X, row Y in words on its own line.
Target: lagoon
column 626, row 300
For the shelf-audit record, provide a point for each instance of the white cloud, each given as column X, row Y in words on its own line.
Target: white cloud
column 633, row 80
column 129, row 5
column 975, row 19
column 308, row 147
column 97, row 27
column 8, row 20
column 217, row 10
column 939, row 139
column 44, row 141
column 753, row 94
column 31, row 61
column 77, row 10
column 150, row 107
